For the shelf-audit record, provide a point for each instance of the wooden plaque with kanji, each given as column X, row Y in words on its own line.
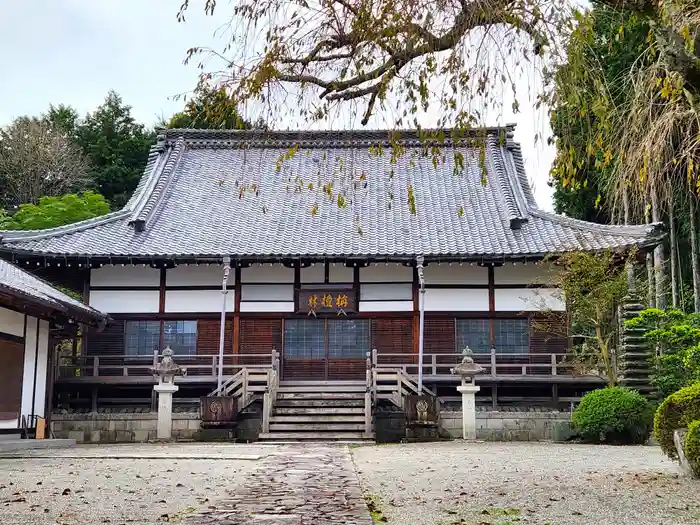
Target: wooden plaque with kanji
column 327, row 300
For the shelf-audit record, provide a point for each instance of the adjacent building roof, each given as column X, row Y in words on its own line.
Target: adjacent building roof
column 271, row 195
column 24, row 288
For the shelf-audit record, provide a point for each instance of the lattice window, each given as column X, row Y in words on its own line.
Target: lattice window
column 511, row 336
column 348, row 338
column 474, row 333
column 142, row 338
column 181, row 336
column 304, row 339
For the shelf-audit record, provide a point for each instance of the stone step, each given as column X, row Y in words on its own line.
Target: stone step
column 322, row 383
column 321, row 395
column 319, row 411
column 320, row 403
column 315, row 436
column 322, row 390
column 317, row 427
column 317, row 418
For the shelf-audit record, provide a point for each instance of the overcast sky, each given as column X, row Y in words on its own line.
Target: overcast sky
column 74, row 51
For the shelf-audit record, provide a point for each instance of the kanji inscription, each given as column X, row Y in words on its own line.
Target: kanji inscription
column 316, row 301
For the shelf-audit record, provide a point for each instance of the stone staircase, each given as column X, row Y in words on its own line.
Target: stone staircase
column 318, row 411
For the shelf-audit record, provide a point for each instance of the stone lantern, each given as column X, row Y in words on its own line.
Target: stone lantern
column 467, row 369
column 166, row 371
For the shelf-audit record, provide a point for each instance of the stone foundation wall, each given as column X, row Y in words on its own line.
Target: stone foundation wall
column 125, row 426
column 516, row 425
column 134, row 426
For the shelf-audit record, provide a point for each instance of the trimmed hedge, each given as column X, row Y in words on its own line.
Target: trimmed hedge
column 692, row 446
column 613, row 415
column 678, row 410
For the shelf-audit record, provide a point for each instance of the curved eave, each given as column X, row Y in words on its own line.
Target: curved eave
column 17, row 255
column 57, row 308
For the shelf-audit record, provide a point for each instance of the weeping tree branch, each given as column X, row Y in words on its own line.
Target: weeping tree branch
column 419, row 42
column 362, row 51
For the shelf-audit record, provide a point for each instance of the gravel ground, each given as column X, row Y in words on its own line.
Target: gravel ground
column 126, row 484
column 461, row 483
column 420, row 484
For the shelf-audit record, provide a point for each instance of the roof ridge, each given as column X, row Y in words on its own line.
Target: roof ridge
column 330, row 137
column 158, row 182
column 635, row 230
column 521, row 175
column 517, row 210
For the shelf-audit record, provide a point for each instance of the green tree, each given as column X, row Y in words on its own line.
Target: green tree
column 581, row 172
column 117, row 147
column 210, row 108
column 592, row 285
column 63, row 118
column 51, row 212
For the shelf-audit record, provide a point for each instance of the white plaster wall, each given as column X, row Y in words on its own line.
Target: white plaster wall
column 339, row 273
column 32, row 357
column 125, row 301
column 40, row 399
column 264, row 273
column 125, row 276
column 202, row 275
column 386, row 292
column 529, row 300
column 524, row 274
column 11, row 322
column 455, row 274
column 456, row 300
column 267, row 292
column 386, row 306
column 185, row 301
column 387, row 273
column 267, row 307
column 312, row 274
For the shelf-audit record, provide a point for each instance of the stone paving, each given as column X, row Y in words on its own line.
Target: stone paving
column 299, row 486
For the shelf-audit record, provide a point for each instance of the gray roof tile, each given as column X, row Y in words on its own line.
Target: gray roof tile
column 31, row 288
column 211, row 193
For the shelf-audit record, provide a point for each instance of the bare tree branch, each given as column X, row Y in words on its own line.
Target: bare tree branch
column 37, row 160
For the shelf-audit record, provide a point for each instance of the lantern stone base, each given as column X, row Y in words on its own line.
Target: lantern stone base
column 165, row 409
column 468, row 410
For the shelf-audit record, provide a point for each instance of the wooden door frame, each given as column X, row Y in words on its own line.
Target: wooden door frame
column 326, row 346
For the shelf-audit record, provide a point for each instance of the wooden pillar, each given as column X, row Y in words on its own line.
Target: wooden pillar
column 94, row 399
column 416, row 313
column 492, row 302
column 161, row 305
column 236, row 311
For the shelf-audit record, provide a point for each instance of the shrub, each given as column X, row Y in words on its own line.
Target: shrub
column 676, row 411
column 613, row 415
column 692, row 446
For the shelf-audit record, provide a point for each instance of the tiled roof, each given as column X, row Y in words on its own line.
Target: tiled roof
column 19, row 283
column 210, row 193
